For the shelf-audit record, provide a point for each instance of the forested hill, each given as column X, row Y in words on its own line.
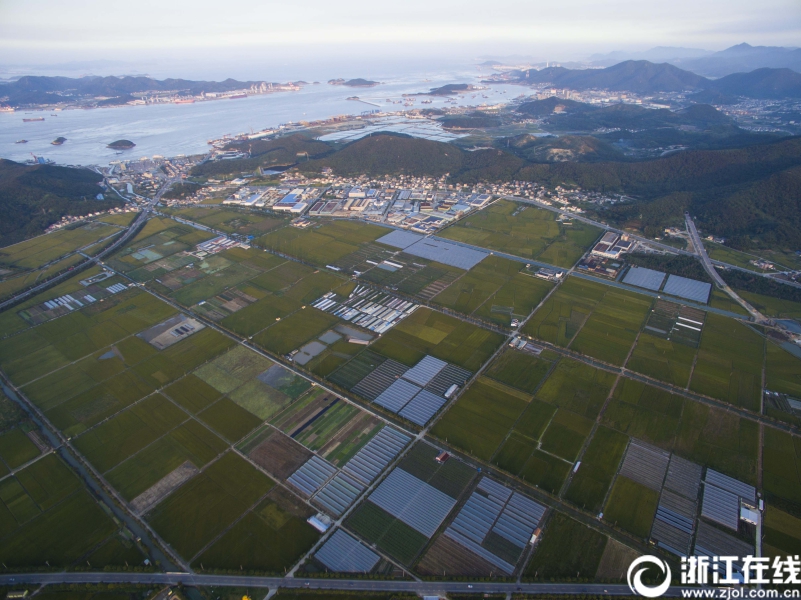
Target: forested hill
column 735, row 193
column 644, row 77
column 34, row 197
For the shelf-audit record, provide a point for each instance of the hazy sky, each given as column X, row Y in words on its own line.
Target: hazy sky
column 54, row 31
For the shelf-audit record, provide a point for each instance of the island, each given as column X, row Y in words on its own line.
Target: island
column 58, row 141
column 359, row 82
column 121, row 145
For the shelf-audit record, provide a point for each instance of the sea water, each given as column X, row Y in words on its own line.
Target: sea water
column 173, row 129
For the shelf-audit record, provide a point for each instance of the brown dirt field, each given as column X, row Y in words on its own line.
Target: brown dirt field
column 280, row 455
column 446, row 557
column 615, row 561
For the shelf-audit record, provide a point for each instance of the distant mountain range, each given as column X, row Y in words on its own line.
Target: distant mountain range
column 739, row 58
column 49, row 90
column 644, row 77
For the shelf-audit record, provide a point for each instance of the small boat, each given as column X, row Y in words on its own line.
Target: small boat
column 58, row 141
column 53, row 115
column 33, row 119
column 21, row 142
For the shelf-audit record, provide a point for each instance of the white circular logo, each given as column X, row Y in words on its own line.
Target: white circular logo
column 634, row 577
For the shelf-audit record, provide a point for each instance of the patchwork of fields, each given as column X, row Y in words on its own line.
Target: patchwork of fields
column 227, row 454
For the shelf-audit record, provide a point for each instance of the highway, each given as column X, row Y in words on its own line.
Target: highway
column 353, row 585
column 710, row 269
column 133, row 228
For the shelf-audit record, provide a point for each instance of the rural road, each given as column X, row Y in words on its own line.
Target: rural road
column 422, row 588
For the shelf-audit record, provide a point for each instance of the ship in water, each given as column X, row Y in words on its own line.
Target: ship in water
column 235, row 96
column 184, row 101
column 33, row 119
column 21, row 142
column 58, row 141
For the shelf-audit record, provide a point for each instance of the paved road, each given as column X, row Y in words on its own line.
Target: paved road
column 710, row 269
column 424, row 587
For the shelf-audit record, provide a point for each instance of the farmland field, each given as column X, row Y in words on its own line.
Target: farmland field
column 451, row 478
column 782, row 533
column 560, row 318
column 525, row 231
column 201, row 509
column 229, row 419
column 662, row 359
column 568, row 549
column 520, row 370
column 781, row 460
column 480, row 419
column 294, row 331
column 495, row 290
column 577, row 387
column 46, row 515
column 631, row 506
column 646, row 413
column 16, row 448
column 729, row 364
column 447, row 338
column 270, row 538
column 189, row 442
column 613, row 326
column 783, row 372
column 35, row 252
column 389, row 534
column 324, row 244
column 598, row 467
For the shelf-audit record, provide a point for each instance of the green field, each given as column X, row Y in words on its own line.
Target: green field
column 772, row 307
column 560, row 318
column 720, row 299
column 613, row 326
column 230, row 220
column 662, row 359
column 695, row 431
column 719, row 439
column 480, row 419
column 128, row 432
column 495, row 290
column 269, row 539
column 451, row 478
column 376, row 526
column 729, row 364
column 192, row 393
column 525, row 231
column 782, row 533
column 16, row 448
column 631, row 506
column 201, row 509
column 645, row 412
column 189, row 442
column 568, row 549
column 46, row 515
column 520, row 370
column 230, row 420
column 295, row 330
column 33, row 253
column 447, row 338
column 577, row 387
column 324, row 244
column 783, row 372
column 565, row 434
column 781, row 477
column 598, row 467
